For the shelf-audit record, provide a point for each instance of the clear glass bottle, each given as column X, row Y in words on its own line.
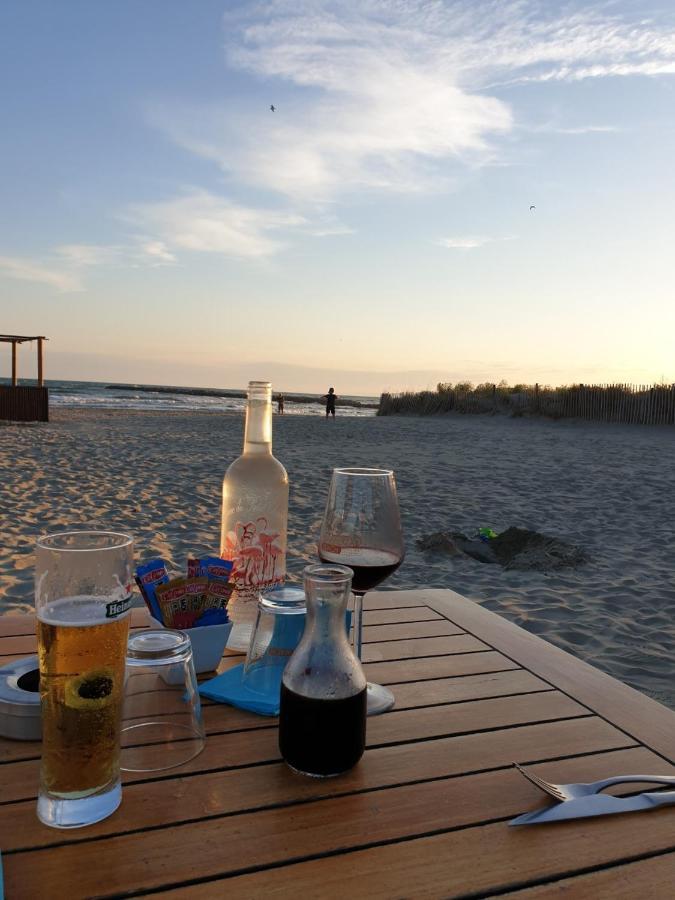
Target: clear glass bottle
column 322, row 720
column 254, row 516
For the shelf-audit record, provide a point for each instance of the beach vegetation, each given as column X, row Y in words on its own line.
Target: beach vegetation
column 629, row 403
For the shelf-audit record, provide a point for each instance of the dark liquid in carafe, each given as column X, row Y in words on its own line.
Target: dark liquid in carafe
column 322, row 737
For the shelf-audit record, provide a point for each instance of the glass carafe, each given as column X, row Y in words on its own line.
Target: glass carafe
column 322, row 722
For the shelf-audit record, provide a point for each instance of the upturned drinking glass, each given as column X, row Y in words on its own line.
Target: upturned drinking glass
column 361, row 529
column 162, row 725
column 83, row 584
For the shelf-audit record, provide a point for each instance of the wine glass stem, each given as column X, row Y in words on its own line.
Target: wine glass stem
column 358, row 623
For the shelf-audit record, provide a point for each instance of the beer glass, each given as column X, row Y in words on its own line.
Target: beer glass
column 83, row 583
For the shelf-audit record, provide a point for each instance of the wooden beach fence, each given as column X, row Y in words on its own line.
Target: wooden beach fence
column 24, row 403
column 624, row 403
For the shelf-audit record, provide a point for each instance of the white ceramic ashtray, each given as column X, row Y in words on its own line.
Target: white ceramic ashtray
column 20, row 700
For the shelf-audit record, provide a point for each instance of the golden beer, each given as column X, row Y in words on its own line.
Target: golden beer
column 82, row 658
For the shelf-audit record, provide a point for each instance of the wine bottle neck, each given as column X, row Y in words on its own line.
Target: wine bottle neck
column 258, row 430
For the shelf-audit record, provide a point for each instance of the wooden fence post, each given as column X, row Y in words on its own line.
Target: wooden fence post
column 40, row 376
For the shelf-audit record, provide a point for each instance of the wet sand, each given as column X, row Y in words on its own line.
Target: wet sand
column 609, row 488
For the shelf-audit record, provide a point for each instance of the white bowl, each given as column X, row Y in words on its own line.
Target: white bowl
column 208, row 645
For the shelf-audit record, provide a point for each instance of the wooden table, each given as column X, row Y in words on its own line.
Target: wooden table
column 424, row 814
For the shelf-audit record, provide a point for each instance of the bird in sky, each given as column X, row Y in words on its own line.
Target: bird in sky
column 273, row 107
column 532, row 207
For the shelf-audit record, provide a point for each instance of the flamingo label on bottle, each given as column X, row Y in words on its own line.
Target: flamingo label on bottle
column 257, row 556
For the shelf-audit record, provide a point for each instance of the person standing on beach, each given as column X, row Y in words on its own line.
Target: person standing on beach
column 280, row 404
column 330, row 399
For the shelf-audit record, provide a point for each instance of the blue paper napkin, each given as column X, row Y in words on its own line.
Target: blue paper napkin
column 228, row 688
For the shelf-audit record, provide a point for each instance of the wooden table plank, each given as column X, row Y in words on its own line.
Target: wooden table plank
column 436, row 758
column 458, row 689
column 400, row 725
column 652, row 878
column 24, row 623
column 423, row 814
column 469, row 861
column 397, row 727
column 163, row 803
column 281, row 835
column 469, row 687
column 218, row 719
column 431, row 667
column 12, row 624
column 417, row 648
column 649, row 879
column 472, row 716
column 388, row 616
column 409, row 630
column 389, row 600
column 621, row 704
column 20, row 639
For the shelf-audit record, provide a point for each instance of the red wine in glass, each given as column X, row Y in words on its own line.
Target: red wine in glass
column 370, row 566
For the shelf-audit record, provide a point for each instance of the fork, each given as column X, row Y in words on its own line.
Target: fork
column 562, row 792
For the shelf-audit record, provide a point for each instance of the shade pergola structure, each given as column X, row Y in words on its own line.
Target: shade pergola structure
column 15, row 339
column 24, row 403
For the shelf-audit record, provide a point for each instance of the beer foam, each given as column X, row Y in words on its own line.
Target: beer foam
column 77, row 612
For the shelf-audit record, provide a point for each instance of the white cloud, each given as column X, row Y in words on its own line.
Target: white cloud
column 62, row 267
column 535, row 42
column 22, row 269
column 371, row 96
column 550, row 128
column 82, row 255
column 571, row 73
column 330, row 230
column 204, row 222
column 155, row 252
column 463, row 243
column 394, row 94
column 470, row 242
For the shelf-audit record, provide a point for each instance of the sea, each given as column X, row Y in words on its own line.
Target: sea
column 111, row 395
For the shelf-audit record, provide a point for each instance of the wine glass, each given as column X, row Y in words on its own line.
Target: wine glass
column 361, row 529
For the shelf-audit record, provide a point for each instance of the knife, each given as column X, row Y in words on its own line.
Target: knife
column 597, row 805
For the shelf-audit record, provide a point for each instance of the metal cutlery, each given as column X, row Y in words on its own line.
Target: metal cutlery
column 595, row 805
column 566, row 792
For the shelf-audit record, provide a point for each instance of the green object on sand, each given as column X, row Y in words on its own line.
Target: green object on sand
column 487, row 534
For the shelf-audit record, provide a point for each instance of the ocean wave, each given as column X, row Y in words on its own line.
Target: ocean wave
column 188, row 404
column 104, row 395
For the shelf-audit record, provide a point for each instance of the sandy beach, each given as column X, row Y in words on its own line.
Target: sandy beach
column 606, row 488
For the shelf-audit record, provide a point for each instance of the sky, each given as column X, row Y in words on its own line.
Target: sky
column 160, row 223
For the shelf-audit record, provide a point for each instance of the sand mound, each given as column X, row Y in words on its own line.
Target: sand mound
column 515, row 548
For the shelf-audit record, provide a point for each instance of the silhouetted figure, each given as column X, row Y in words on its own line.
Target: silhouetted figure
column 330, row 399
column 280, row 404
column 273, row 107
